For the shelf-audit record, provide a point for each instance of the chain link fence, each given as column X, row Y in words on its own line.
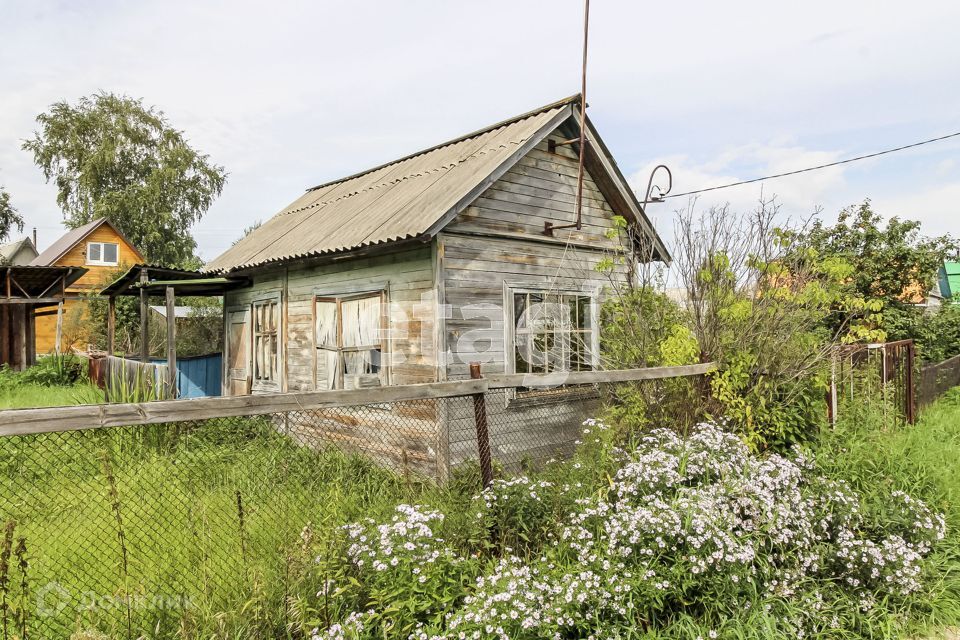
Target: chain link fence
column 196, row 528
column 937, row 379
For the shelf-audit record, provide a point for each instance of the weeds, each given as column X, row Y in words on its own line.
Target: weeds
column 115, row 507
column 5, row 552
column 20, row 553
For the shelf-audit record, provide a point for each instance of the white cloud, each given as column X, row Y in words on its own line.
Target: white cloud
column 799, row 195
column 937, row 207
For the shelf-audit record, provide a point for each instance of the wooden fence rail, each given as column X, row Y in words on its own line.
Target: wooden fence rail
column 15, row 422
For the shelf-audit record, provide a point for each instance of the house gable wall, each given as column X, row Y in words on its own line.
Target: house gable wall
column 541, row 187
column 497, row 245
column 74, row 307
column 96, row 275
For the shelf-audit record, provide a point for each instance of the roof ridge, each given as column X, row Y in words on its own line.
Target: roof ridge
column 529, row 114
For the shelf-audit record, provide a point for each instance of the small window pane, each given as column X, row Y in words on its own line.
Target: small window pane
column 519, row 307
column 93, row 252
column 110, row 253
column 326, row 324
column 583, row 313
column 522, row 366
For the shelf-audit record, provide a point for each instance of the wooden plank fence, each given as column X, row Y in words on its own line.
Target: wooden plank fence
column 54, row 419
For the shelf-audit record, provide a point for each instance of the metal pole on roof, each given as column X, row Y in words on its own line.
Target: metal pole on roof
column 583, row 113
column 549, row 227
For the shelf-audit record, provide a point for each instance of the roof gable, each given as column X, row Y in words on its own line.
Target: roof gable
column 72, row 238
column 19, row 252
column 413, row 197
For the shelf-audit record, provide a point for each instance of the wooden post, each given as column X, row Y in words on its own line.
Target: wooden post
column 483, row 432
column 24, row 363
column 57, row 340
column 144, row 318
column 171, row 343
column 111, row 325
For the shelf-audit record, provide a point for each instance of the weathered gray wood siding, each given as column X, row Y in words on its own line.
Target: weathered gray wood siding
column 541, row 187
column 404, row 436
column 409, row 280
column 496, row 243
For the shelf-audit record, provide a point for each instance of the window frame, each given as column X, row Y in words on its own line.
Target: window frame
column 101, row 262
column 258, row 384
column 384, row 371
column 509, row 324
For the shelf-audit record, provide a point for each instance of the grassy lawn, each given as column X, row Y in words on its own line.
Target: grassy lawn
column 24, row 396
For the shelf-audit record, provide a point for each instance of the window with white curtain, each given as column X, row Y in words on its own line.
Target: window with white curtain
column 349, row 341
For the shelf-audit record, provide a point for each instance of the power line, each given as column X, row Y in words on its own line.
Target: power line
column 821, row 166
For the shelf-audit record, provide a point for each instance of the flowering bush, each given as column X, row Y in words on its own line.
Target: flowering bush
column 685, row 525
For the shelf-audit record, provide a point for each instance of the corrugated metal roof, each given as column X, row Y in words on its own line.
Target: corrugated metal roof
column 395, row 201
column 68, row 240
column 40, row 280
column 64, row 243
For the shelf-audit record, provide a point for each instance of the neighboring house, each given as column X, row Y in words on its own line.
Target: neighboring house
column 918, row 295
column 179, row 312
column 101, row 249
column 410, row 271
column 949, row 280
column 21, row 252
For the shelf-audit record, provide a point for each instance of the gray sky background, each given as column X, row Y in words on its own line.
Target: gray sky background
column 290, row 94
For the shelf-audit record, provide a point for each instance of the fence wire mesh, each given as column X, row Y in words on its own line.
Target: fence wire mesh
column 937, row 379
column 168, row 530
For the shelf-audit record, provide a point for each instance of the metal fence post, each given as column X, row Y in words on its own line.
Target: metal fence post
column 483, row 433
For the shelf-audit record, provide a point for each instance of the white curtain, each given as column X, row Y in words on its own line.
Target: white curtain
column 327, row 324
column 361, row 321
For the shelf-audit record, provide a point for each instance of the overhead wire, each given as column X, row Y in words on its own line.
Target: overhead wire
column 815, row 168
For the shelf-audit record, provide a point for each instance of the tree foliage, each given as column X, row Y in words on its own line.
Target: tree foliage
column 767, row 308
column 9, row 217
column 889, row 261
column 111, row 156
column 893, row 267
column 248, row 230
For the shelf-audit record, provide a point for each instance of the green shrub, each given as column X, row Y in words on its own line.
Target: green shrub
column 58, row 370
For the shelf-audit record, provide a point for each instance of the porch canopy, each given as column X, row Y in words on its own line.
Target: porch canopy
column 26, row 289
column 145, row 280
column 155, row 280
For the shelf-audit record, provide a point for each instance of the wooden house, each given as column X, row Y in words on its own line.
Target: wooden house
column 468, row 251
column 101, row 250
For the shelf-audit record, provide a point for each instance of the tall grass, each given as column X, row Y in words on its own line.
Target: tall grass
column 198, row 538
column 877, row 458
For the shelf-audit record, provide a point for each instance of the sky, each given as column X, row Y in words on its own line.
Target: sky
column 287, row 95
